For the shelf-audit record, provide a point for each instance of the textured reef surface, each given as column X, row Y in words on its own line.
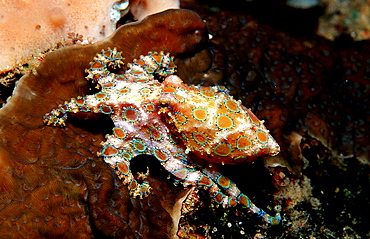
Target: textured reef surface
column 53, row 185
column 313, row 95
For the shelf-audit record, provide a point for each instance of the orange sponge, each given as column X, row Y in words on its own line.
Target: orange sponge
column 28, row 27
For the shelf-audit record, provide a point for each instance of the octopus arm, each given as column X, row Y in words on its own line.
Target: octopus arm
column 97, row 103
column 226, row 192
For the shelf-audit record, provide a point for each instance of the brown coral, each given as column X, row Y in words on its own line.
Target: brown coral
column 52, row 183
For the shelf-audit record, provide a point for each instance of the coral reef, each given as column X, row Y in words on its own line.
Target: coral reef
column 345, row 17
column 24, row 33
column 52, row 183
column 313, row 94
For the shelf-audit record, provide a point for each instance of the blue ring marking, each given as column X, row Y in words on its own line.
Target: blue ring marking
column 203, row 184
column 128, row 90
column 118, row 169
column 246, row 198
column 179, row 98
column 275, row 220
column 126, row 155
column 196, row 141
column 148, row 69
column 84, row 108
column 225, row 104
column 222, row 195
column 218, row 182
column 262, row 142
column 199, row 108
column 141, row 80
column 181, row 115
column 233, row 124
column 105, row 147
column 79, row 99
column 101, row 93
column 222, row 88
column 182, row 158
column 140, row 142
column 247, row 147
column 240, row 159
column 113, row 84
column 154, row 151
column 159, row 64
column 231, row 149
column 231, row 199
column 113, row 56
column 106, row 112
column 130, row 120
column 120, row 77
column 202, row 93
column 64, row 109
column 174, row 90
column 136, row 73
column 98, row 69
column 147, row 109
column 147, row 89
column 151, row 135
column 123, row 130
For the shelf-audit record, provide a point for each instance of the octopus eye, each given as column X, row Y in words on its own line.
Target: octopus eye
column 160, row 74
column 164, row 102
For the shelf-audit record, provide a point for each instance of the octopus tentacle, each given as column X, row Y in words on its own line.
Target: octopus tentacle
column 57, row 117
column 234, row 196
column 97, row 103
column 103, row 64
column 159, row 65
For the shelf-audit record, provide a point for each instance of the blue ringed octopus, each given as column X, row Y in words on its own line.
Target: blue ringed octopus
column 155, row 113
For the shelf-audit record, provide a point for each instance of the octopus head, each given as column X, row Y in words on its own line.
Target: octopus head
column 213, row 125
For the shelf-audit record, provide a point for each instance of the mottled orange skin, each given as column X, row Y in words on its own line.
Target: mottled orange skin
column 215, row 127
